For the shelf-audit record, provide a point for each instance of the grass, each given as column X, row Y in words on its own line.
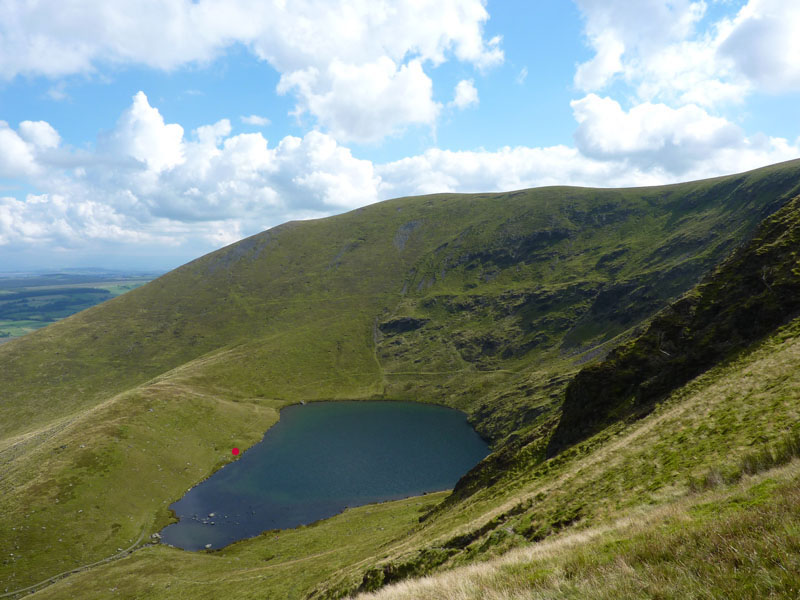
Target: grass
column 108, row 416
column 719, row 423
column 735, row 543
column 281, row 564
column 751, row 293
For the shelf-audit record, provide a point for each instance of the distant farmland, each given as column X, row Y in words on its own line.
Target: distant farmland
column 29, row 302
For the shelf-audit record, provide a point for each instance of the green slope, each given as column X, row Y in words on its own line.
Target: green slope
column 647, row 504
column 486, row 302
column 748, row 296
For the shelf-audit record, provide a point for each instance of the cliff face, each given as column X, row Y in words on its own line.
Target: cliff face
column 752, row 292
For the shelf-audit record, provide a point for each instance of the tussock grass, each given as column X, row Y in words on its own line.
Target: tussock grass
column 761, row 459
column 738, row 543
column 720, row 422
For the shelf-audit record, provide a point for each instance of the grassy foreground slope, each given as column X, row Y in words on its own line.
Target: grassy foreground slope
column 700, row 499
column 738, row 544
column 488, row 303
column 750, row 294
column 741, row 417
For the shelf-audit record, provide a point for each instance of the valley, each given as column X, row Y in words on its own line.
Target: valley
column 31, row 301
column 548, row 316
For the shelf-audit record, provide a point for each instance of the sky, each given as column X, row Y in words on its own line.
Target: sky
column 141, row 135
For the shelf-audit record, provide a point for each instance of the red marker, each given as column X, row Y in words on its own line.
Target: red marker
column 235, row 452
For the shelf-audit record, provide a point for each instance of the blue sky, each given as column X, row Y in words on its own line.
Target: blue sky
column 141, row 135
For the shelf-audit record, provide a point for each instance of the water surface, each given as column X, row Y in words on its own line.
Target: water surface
column 321, row 458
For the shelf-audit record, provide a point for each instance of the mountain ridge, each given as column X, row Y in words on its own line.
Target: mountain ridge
column 489, row 303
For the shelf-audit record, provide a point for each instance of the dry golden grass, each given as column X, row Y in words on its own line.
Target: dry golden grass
column 710, row 427
column 720, row 544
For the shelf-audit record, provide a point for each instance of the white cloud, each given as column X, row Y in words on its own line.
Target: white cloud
column 763, row 41
column 651, row 134
column 607, row 62
column 16, row 155
column 466, row 94
column 505, row 169
column 515, row 168
column 212, row 135
column 357, row 67
column 365, row 102
column 257, row 120
column 148, row 182
column 21, row 151
column 326, row 173
column 293, row 36
column 639, row 30
column 39, row 133
column 522, row 76
column 655, row 47
column 161, row 188
column 142, row 134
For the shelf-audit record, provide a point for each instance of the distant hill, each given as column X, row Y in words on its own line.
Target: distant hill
column 490, row 303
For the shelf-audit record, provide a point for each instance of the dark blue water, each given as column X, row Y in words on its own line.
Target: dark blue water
column 321, row 458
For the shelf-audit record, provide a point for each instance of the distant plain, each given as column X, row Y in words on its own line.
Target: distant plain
column 29, row 301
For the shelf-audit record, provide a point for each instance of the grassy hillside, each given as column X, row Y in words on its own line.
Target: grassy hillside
column 740, row 418
column 690, row 501
column 748, row 296
column 693, row 501
column 489, row 303
column 738, row 543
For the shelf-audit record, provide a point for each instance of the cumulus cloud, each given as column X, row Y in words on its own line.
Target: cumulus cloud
column 358, row 68
column 522, row 167
column 639, row 29
column 466, row 94
column 326, row 174
column 142, row 134
column 655, row 47
column 152, row 183
column 21, row 150
column 683, row 72
column 39, row 133
column 607, row 61
column 364, row 102
column 763, row 43
column 651, row 134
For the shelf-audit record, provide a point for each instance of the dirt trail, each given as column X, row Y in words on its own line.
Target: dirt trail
column 54, row 578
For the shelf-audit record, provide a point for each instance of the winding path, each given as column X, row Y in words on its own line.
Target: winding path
column 55, row 578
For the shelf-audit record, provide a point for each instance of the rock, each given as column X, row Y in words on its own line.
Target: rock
column 401, row 325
